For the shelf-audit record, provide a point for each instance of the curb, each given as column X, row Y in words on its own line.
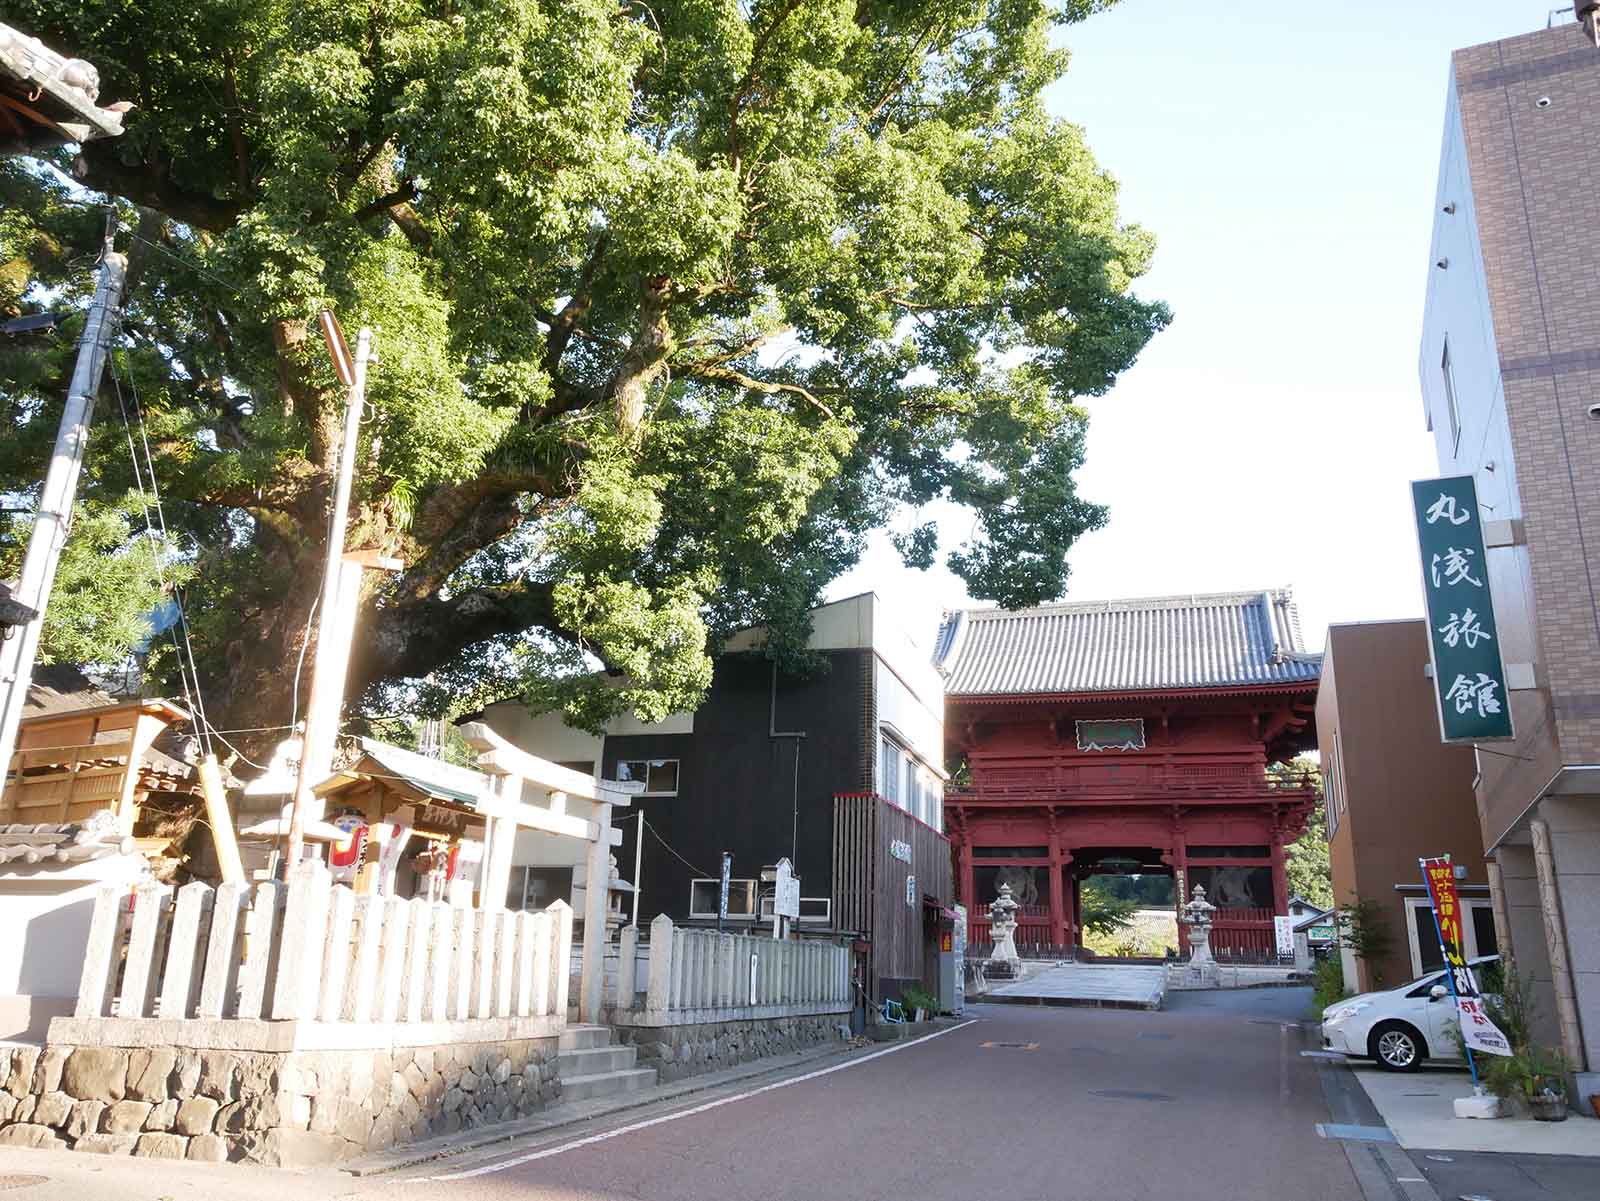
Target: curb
column 1076, row 1002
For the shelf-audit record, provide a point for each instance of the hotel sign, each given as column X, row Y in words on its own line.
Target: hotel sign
column 1469, row 677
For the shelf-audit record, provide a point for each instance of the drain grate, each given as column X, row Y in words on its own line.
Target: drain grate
column 1012, row 1046
column 21, row 1181
column 1360, row 1134
column 1129, row 1094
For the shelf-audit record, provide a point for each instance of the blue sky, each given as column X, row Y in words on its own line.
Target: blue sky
column 1285, row 157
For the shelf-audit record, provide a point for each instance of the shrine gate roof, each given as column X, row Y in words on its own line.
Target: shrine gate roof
column 1217, row 640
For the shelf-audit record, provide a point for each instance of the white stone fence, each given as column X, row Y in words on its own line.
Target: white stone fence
column 696, row 976
column 313, row 965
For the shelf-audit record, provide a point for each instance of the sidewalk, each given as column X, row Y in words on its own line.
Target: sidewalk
column 1417, row 1109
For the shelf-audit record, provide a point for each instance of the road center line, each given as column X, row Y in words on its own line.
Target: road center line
column 686, row 1113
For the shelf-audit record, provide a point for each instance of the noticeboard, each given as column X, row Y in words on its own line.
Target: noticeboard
column 786, row 892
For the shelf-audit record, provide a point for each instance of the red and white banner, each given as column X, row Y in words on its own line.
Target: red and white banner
column 1479, row 1032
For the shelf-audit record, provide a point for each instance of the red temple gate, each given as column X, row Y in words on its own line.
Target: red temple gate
column 1129, row 736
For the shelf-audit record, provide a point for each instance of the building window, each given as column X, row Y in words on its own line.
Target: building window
column 538, row 887
column 1423, row 936
column 889, row 771
column 1450, row 398
column 703, row 896
column 913, row 793
column 813, row 910
column 659, row 776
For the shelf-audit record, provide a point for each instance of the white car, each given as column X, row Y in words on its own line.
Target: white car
column 1398, row 1028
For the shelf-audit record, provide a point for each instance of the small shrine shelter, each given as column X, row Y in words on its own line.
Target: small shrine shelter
column 1128, row 737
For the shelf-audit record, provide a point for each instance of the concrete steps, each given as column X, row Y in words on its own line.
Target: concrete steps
column 591, row 1061
column 607, row 1084
column 593, row 1066
column 578, row 1037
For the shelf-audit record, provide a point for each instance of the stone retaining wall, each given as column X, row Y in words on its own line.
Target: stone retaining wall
column 679, row 1051
column 278, row 1108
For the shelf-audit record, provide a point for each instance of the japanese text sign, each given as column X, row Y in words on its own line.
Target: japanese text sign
column 1468, row 675
column 1479, row 1032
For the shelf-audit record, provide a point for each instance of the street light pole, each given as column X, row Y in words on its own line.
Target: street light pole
column 54, row 518
column 327, row 671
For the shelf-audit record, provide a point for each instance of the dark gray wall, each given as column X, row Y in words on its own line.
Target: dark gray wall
column 736, row 785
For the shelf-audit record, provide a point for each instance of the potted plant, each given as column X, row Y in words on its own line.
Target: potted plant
column 1532, row 1077
column 920, row 1004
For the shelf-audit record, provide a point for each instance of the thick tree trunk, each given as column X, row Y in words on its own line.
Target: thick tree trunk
column 645, row 357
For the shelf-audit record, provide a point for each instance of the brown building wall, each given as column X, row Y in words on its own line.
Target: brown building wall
column 1533, row 168
column 1520, row 166
column 1401, row 793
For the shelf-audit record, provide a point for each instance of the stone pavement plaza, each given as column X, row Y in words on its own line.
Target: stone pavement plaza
column 1116, row 986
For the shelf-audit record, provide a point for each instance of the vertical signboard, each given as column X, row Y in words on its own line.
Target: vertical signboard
column 1283, row 932
column 1469, row 677
column 1477, row 1030
column 722, row 892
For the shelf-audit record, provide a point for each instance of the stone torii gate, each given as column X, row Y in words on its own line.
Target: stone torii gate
column 574, row 806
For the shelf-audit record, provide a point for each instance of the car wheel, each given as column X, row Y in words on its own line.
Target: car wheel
column 1397, row 1047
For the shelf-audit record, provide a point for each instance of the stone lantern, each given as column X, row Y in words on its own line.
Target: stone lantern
column 1003, row 960
column 1197, row 916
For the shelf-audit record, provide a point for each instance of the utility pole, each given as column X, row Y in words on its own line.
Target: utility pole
column 54, row 518
column 332, row 657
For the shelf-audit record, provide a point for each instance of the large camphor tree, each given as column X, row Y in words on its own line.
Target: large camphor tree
column 675, row 302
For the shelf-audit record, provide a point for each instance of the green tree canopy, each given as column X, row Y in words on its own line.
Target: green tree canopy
column 1306, row 864
column 675, row 302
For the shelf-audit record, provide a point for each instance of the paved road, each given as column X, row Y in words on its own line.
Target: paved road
column 1206, row 1099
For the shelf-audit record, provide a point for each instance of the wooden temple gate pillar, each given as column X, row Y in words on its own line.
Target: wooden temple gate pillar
column 964, row 854
column 1058, row 908
column 1280, row 876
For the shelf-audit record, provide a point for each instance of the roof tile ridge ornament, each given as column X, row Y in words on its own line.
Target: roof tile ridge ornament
column 947, row 644
column 1177, row 600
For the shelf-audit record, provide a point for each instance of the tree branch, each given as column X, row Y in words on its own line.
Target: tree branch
column 713, row 371
column 406, row 192
column 99, row 165
column 412, row 639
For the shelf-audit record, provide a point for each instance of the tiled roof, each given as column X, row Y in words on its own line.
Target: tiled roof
column 55, row 844
column 441, row 780
column 1226, row 639
column 13, row 612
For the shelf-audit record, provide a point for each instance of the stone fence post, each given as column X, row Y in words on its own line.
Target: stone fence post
column 658, row 995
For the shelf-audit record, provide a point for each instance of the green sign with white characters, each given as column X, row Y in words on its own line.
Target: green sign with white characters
column 1469, row 678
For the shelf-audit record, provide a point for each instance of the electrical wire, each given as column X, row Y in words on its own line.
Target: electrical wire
column 187, row 262
column 671, row 850
column 188, row 677
column 300, row 661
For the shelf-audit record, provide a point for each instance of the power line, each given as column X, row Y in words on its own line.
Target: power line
column 697, row 871
column 188, row 672
column 186, row 261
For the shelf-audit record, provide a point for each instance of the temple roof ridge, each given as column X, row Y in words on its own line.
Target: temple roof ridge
column 1184, row 640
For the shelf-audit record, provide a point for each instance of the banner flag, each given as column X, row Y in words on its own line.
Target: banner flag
column 1480, row 1033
